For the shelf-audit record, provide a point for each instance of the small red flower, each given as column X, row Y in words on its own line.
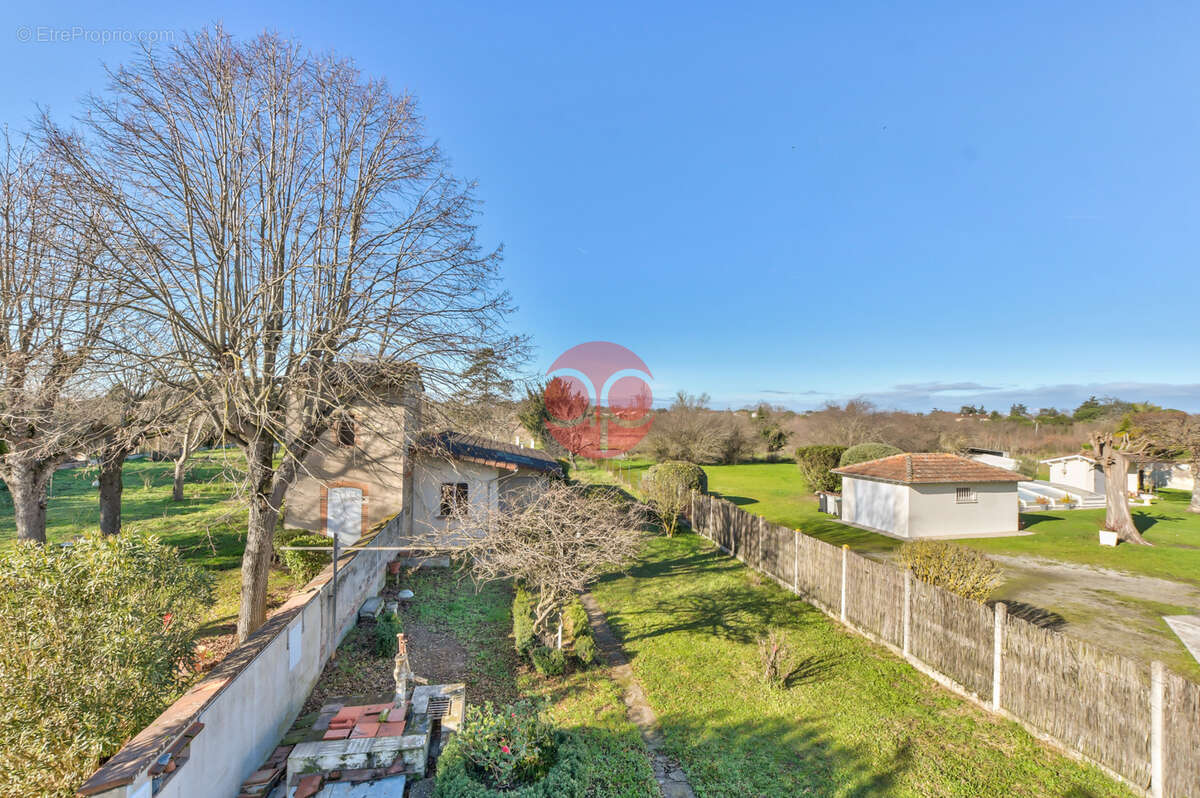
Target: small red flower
column 505, row 749
column 167, row 619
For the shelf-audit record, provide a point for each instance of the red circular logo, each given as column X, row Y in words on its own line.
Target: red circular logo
column 598, row 399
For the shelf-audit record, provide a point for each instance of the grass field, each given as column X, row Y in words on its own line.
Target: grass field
column 852, row 721
column 208, row 527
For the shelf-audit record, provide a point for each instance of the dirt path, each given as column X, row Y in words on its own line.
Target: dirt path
column 1119, row 611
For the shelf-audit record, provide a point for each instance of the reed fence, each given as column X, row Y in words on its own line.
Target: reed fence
column 1138, row 721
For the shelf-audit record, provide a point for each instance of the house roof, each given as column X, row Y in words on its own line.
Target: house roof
column 928, row 468
column 477, row 449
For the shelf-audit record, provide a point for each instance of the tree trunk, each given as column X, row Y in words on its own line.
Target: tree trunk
column 1194, row 505
column 1117, row 517
column 27, row 481
column 112, row 466
column 256, row 561
column 185, row 452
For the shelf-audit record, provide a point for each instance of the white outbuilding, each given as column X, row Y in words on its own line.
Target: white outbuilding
column 1082, row 472
column 930, row 495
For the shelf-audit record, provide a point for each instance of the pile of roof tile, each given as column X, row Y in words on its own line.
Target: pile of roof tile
column 353, row 722
column 263, row 780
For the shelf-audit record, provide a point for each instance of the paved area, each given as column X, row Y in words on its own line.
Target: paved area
column 1188, row 629
column 667, row 772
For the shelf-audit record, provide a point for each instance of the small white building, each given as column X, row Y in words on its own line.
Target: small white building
column 454, row 472
column 930, row 495
column 1082, row 472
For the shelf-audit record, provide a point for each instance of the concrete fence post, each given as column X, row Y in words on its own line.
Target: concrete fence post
column 907, row 611
column 762, row 536
column 998, row 653
column 845, row 565
column 796, row 563
column 1157, row 690
column 712, row 530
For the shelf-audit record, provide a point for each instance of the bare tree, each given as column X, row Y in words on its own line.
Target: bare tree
column 1113, row 453
column 556, row 541
column 55, row 307
column 189, row 439
column 289, row 222
column 668, row 497
column 1174, row 434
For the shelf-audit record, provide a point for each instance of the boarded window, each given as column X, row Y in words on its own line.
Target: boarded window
column 345, row 431
column 454, row 499
column 965, row 496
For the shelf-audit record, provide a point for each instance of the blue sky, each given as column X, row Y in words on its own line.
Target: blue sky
column 924, row 204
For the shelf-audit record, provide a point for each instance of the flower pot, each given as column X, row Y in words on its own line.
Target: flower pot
column 1108, row 538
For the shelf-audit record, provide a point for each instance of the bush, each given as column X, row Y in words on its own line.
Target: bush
column 775, row 657
column 284, row 537
column 687, row 476
column 955, row 568
column 506, row 747
column 575, row 622
column 95, row 640
column 548, row 661
column 585, row 649
column 304, row 565
column 522, row 615
column 866, row 451
column 815, row 463
column 566, row 778
column 387, row 626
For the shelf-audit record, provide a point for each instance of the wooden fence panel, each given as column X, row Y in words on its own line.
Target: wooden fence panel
column 875, row 598
column 820, row 571
column 1181, row 738
column 953, row 635
column 779, row 552
column 1094, row 701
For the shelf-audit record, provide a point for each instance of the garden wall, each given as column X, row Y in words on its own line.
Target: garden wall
column 1138, row 721
column 236, row 715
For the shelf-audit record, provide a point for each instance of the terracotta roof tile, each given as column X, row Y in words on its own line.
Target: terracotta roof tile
column 928, row 468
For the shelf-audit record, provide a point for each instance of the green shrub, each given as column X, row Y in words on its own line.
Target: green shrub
column 951, row 567
column 284, row 537
column 387, row 626
column 522, row 615
column 304, row 565
column 507, row 747
column 567, row 777
column 815, row 463
column 866, row 451
column 680, row 474
column 548, row 661
column 575, row 622
column 95, row 640
column 585, row 649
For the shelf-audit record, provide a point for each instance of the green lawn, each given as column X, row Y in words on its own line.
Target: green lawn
column 1071, row 535
column 853, row 720
column 779, row 493
column 208, row 526
column 587, row 702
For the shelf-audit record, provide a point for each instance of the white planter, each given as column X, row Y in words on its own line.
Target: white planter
column 1108, row 538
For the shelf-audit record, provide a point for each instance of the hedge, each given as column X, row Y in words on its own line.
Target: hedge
column 815, row 464
column 304, row 565
column 866, row 451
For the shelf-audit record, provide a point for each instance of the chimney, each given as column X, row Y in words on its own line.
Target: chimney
column 908, row 473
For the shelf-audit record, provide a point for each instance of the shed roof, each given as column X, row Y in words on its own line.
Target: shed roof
column 926, row 468
column 477, row 449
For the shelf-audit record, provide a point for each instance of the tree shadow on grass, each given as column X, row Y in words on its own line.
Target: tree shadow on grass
column 1038, row 616
column 739, row 500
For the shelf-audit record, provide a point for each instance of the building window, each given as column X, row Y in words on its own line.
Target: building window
column 454, row 499
column 345, row 431
column 965, row 496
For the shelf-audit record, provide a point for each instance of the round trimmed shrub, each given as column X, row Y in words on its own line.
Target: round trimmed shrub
column 585, row 650
column 864, row 452
column 566, row 778
column 679, row 474
column 304, row 565
column 548, row 661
